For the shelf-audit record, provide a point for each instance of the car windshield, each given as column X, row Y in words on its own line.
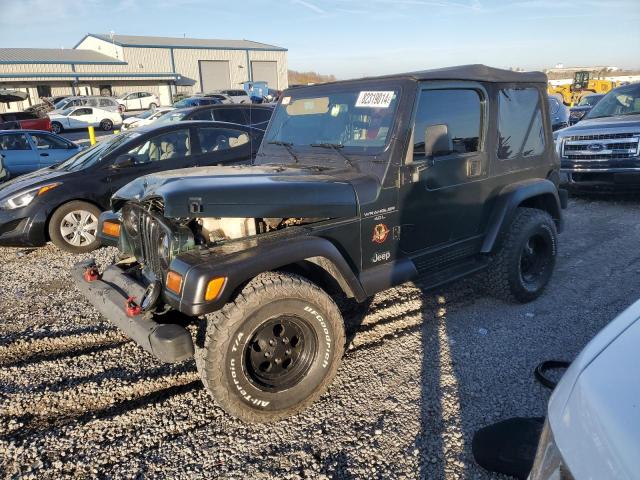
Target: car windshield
column 187, row 102
column 356, row 121
column 61, row 104
column 93, row 155
column 170, row 117
column 145, row 114
column 621, row 101
column 589, row 100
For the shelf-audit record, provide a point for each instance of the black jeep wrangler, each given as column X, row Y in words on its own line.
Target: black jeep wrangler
column 358, row 186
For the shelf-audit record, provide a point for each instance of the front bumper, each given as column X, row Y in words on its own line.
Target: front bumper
column 613, row 179
column 23, row 228
column 168, row 342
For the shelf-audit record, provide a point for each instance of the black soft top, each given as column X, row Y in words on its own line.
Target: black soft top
column 476, row 72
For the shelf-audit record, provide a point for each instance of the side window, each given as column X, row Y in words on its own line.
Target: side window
column 206, row 114
column 214, row 139
column 520, row 127
column 460, row 110
column 259, row 115
column 48, row 142
column 105, row 102
column 14, row 141
column 168, row 145
column 231, row 115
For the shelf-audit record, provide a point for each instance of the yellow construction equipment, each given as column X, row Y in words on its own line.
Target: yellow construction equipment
column 583, row 84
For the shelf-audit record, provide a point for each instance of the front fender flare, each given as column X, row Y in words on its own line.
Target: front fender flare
column 243, row 265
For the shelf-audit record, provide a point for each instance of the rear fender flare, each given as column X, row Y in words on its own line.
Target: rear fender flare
column 537, row 193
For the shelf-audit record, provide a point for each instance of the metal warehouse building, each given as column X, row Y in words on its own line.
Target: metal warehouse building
column 114, row 64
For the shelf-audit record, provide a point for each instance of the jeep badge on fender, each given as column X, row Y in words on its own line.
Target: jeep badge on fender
column 358, row 186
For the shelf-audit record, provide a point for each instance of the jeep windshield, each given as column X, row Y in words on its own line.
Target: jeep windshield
column 340, row 125
column 621, row 101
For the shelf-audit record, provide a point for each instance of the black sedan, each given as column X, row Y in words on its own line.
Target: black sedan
column 243, row 114
column 62, row 203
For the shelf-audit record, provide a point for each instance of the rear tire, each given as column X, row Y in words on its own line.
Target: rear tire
column 523, row 266
column 56, row 127
column 152, row 106
column 122, row 108
column 272, row 351
column 73, row 227
column 106, row 125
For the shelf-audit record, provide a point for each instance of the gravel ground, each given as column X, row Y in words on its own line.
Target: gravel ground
column 422, row 373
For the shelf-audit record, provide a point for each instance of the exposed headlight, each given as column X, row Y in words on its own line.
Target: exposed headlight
column 549, row 464
column 23, row 199
column 131, row 220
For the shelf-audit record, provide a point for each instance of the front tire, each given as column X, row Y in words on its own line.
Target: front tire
column 56, row 127
column 73, row 227
column 523, row 266
column 272, row 351
column 106, row 125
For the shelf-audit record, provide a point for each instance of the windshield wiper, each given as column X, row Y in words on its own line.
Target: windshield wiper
column 288, row 146
column 336, row 148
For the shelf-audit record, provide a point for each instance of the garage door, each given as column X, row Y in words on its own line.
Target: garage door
column 214, row 75
column 265, row 72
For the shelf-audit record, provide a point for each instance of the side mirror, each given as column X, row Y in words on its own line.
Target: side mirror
column 437, row 140
column 123, row 161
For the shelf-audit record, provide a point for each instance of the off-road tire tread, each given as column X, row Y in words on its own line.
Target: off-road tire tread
column 221, row 324
column 495, row 279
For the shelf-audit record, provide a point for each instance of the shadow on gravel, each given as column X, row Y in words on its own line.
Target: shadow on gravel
column 30, row 334
column 63, row 353
column 34, row 425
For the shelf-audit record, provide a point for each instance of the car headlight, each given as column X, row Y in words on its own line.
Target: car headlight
column 23, row 199
column 549, row 464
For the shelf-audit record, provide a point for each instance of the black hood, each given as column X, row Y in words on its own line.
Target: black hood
column 35, row 179
column 253, row 191
column 620, row 121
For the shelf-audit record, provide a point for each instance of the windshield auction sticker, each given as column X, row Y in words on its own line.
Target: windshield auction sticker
column 377, row 99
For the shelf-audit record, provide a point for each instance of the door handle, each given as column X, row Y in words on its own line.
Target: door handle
column 44, row 154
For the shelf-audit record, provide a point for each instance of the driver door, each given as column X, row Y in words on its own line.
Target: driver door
column 166, row 151
column 81, row 117
column 443, row 191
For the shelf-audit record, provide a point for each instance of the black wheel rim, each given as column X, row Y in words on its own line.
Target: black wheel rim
column 535, row 259
column 280, row 353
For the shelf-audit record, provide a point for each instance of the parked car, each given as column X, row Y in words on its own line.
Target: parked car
column 145, row 118
column 585, row 104
column 24, row 151
column 138, row 101
column 591, row 430
column 220, row 96
column 62, row 203
column 602, row 151
column 237, row 95
column 24, row 120
column 196, row 102
column 104, row 103
column 242, row 114
column 559, row 114
column 358, row 186
column 83, row 117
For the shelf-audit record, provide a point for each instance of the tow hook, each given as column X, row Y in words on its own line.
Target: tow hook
column 91, row 274
column 132, row 308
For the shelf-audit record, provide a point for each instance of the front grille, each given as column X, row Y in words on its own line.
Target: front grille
column 603, row 147
column 146, row 236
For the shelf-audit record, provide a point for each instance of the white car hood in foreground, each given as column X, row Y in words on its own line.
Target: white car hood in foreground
column 594, row 411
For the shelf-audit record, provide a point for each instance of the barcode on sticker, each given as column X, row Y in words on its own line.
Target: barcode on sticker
column 379, row 99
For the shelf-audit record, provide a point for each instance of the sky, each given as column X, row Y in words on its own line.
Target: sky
column 354, row 38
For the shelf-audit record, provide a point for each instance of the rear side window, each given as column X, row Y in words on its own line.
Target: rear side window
column 259, row 115
column 214, row 139
column 106, row 102
column 459, row 109
column 14, row 141
column 231, row 115
column 520, row 127
column 206, row 114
